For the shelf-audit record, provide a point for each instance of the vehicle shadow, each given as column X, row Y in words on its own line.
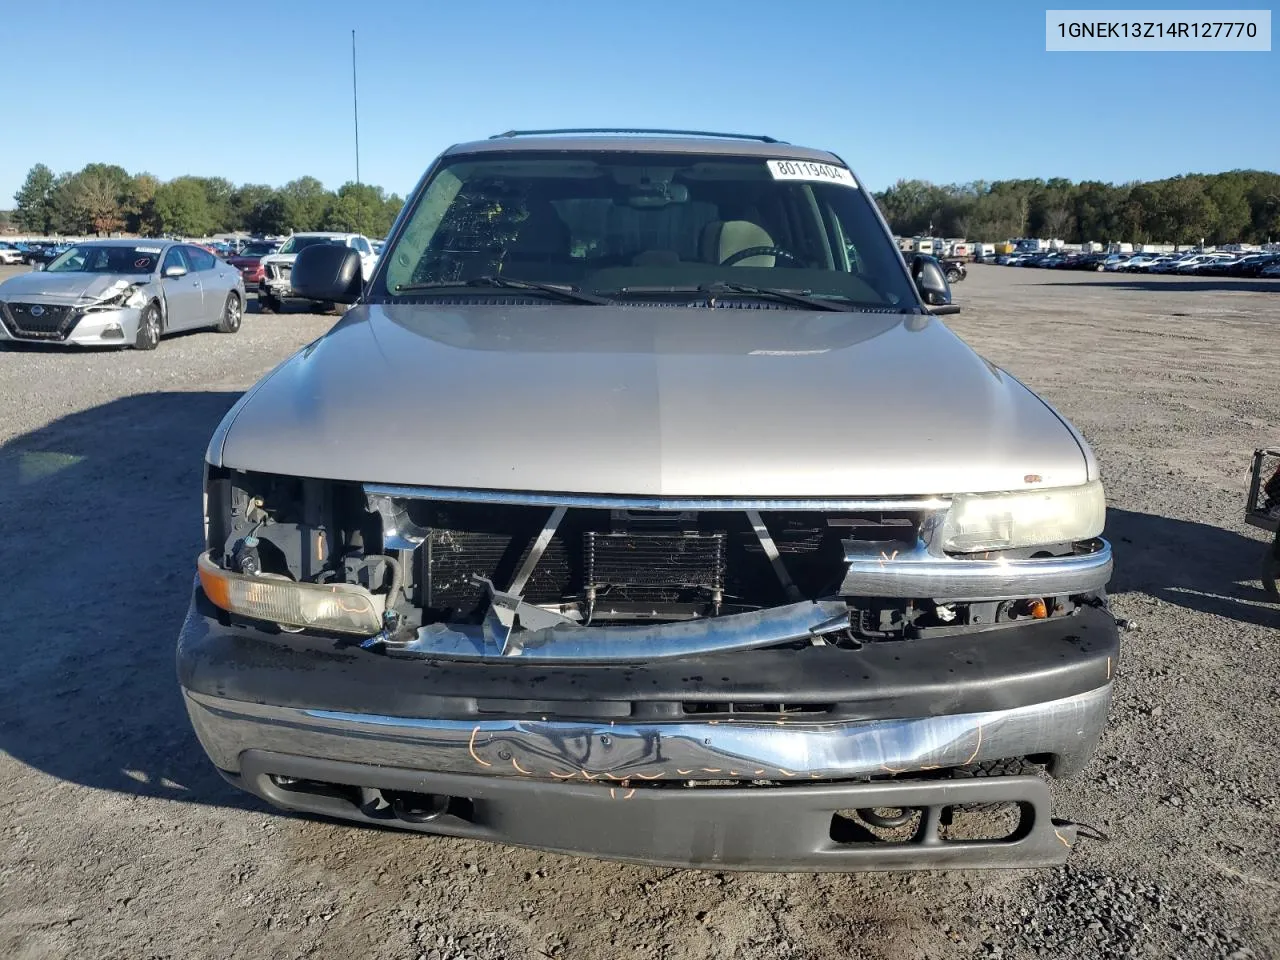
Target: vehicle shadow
column 1192, row 565
column 1176, row 284
column 101, row 515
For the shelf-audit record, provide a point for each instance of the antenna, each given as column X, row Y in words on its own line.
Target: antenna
column 355, row 104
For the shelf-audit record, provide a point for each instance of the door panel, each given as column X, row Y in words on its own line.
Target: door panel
column 205, row 267
column 183, row 295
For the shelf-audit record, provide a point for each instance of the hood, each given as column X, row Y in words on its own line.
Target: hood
column 239, row 261
column 278, row 258
column 653, row 401
column 40, row 285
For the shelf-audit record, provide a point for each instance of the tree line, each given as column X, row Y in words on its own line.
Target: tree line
column 1242, row 206
column 104, row 198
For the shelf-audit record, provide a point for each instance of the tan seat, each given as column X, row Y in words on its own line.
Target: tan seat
column 721, row 239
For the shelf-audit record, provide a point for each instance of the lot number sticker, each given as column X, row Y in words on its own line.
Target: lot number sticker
column 808, row 170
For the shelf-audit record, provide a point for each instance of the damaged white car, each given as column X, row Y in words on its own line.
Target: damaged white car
column 119, row 293
column 644, row 507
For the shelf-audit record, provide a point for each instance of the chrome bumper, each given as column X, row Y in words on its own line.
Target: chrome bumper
column 875, row 572
column 617, row 751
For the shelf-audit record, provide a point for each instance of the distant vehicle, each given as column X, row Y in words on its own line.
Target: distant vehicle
column 1193, row 264
column 1030, row 245
column 10, row 253
column 249, row 261
column 1148, row 266
column 119, row 293
column 275, row 288
column 954, row 270
column 39, row 254
column 1118, row 263
column 1270, row 270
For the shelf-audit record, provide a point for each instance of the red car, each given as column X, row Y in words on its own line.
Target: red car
column 249, row 261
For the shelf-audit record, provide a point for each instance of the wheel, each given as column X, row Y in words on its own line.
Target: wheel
column 953, row 276
column 232, row 313
column 269, row 304
column 148, row 336
column 1271, row 570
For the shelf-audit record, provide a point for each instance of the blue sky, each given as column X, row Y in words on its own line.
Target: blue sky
column 947, row 92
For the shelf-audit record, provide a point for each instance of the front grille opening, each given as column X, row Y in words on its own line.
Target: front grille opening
column 876, row 825
column 999, row 822
column 755, row 708
column 617, row 566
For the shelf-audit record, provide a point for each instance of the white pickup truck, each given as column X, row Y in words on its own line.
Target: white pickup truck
column 277, row 268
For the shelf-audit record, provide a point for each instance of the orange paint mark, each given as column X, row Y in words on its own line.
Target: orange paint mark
column 976, row 747
column 562, row 776
column 1108, row 668
column 711, row 770
column 785, row 773
column 648, row 776
column 683, row 773
column 613, row 793
column 520, row 768
column 471, row 749
column 1065, row 842
column 629, row 794
column 587, row 776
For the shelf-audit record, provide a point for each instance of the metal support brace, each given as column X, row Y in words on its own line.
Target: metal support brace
column 771, row 551
column 536, row 551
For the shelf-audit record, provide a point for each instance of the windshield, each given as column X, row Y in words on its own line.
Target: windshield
column 296, row 243
column 631, row 223
column 114, row 259
column 257, row 249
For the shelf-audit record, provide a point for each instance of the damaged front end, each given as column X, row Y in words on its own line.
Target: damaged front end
column 773, row 684
column 475, row 575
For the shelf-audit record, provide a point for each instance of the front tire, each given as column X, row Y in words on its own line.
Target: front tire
column 232, row 313
column 148, row 335
column 953, row 276
column 269, row 304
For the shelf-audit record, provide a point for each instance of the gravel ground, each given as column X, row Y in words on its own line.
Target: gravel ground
column 119, row 840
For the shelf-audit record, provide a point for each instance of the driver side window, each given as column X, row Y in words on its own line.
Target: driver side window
column 174, row 258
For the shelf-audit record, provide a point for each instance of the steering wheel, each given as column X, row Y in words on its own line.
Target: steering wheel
column 765, row 251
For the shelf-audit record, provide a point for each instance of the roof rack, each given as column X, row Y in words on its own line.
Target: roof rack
column 635, row 130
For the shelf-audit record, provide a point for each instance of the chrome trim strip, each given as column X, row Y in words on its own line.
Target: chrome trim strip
column 877, row 571
column 614, row 752
column 569, row 642
column 625, row 501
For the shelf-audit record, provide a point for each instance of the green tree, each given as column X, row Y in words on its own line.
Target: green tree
column 34, row 200
column 181, row 207
column 305, row 200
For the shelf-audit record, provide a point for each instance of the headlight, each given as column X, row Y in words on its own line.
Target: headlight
column 340, row 607
column 1028, row 518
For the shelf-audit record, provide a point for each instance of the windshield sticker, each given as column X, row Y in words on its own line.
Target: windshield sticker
column 146, row 249
column 808, row 170
column 142, row 263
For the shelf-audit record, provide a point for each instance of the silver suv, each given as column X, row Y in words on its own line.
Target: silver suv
column 642, row 507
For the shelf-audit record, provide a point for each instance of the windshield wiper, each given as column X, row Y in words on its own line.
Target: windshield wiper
column 799, row 298
column 566, row 293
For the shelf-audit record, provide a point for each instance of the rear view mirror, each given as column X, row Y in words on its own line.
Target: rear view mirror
column 932, row 284
column 328, row 273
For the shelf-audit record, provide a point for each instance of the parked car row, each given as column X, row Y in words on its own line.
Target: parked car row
column 1219, row 264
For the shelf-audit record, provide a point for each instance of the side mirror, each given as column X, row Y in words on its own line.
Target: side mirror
column 932, row 284
column 328, row 273
column 175, row 270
